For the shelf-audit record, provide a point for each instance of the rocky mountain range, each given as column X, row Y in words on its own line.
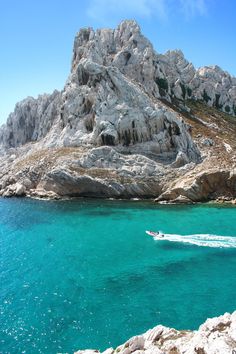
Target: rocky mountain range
column 129, row 123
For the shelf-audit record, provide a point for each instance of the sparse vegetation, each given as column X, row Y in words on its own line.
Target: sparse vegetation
column 183, row 90
column 234, row 109
column 163, row 86
column 227, row 108
column 47, row 156
column 212, row 116
column 102, row 173
column 127, row 56
column 189, row 91
column 217, row 100
column 205, row 96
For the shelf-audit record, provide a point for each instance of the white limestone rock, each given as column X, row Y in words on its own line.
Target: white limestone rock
column 20, row 190
column 206, row 185
column 31, row 120
column 115, row 76
column 103, row 172
column 215, row 336
column 112, row 99
column 15, row 189
column 181, row 160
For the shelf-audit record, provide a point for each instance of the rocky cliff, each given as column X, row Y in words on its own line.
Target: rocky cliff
column 215, row 336
column 126, row 124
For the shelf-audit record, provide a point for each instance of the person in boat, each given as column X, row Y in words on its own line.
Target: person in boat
column 155, row 233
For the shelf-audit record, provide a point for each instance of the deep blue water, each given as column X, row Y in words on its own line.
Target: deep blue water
column 83, row 274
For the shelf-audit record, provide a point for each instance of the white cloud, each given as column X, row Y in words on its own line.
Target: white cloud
column 191, row 8
column 110, row 10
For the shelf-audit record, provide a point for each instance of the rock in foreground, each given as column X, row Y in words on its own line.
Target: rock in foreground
column 215, row 336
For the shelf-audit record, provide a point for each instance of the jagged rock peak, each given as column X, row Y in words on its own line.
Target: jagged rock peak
column 125, row 30
column 109, row 46
column 117, row 118
column 112, row 96
column 167, row 76
column 131, row 25
column 176, row 53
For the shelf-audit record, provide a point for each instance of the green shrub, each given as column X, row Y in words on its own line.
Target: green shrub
column 217, row 104
column 227, row 109
column 189, row 91
column 205, row 96
column 163, row 86
column 162, row 83
column 183, row 88
column 234, row 109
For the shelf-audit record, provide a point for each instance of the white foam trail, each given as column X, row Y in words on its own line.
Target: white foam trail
column 205, row 240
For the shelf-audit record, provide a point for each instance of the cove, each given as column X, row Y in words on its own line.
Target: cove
column 83, row 274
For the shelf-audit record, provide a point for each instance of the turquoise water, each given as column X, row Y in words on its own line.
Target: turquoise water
column 83, row 274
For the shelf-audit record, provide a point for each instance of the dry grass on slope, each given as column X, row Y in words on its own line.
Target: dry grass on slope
column 218, row 126
column 215, row 122
column 47, row 157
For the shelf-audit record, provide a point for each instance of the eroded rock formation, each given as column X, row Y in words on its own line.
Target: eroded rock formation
column 126, row 110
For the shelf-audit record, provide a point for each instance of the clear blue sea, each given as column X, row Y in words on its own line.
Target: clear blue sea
column 84, row 274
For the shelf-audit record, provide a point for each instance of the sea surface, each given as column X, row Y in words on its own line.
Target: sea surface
column 84, row 274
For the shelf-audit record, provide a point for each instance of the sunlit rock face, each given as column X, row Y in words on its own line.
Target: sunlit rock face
column 125, row 116
column 112, row 96
column 215, row 336
column 209, row 84
column 31, row 120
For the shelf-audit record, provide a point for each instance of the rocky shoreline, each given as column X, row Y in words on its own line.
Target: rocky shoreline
column 18, row 191
column 104, row 173
column 215, row 336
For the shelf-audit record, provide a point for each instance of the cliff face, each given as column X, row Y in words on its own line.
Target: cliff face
column 109, row 99
column 123, row 95
column 31, row 120
column 116, row 78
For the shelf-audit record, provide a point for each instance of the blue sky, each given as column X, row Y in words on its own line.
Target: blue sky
column 36, row 37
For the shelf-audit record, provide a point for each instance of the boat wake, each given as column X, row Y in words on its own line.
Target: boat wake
column 205, row 240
